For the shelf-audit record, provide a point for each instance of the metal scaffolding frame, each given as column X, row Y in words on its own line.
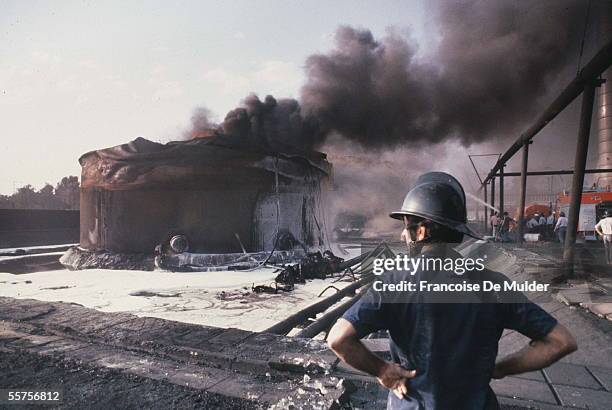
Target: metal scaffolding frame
column 584, row 83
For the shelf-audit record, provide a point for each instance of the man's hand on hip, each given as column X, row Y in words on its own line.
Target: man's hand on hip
column 396, row 378
column 344, row 341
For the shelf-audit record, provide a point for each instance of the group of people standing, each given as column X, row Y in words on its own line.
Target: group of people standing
column 550, row 228
column 547, row 226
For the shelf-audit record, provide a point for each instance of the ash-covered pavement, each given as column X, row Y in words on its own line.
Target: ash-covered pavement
column 249, row 369
column 86, row 386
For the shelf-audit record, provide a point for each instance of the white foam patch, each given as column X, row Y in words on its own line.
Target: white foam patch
column 221, row 299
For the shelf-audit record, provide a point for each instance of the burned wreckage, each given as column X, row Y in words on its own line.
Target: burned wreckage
column 210, row 203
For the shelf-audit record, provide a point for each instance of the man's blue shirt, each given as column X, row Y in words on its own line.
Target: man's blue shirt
column 452, row 346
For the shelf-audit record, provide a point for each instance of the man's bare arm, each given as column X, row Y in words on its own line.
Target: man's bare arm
column 538, row 354
column 343, row 340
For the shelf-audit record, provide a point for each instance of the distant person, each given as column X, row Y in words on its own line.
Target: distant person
column 507, row 224
column 561, row 227
column 550, row 226
column 494, row 223
column 604, row 229
column 532, row 223
column 542, row 226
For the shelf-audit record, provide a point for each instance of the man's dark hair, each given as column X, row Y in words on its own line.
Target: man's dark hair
column 440, row 233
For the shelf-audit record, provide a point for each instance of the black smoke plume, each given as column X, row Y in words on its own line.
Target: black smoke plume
column 489, row 74
column 492, row 65
column 273, row 123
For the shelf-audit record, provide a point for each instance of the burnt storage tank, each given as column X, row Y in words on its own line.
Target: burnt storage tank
column 604, row 122
column 221, row 195
column 604, row 102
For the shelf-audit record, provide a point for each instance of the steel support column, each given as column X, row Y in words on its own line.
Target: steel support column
column 501, row 190
column 521, row 218
column 582, row 147
column 492, row 200
column 486, row 211
column 493, row 192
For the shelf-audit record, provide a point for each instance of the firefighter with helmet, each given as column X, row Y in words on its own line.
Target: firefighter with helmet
column 443, row 355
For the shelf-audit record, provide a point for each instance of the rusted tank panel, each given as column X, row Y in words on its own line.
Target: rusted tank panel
column 136, row 221
column 300, row 212
column 604, row 114
column 136, row 195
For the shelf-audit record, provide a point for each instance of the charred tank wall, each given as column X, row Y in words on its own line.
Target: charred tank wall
column 136, row 220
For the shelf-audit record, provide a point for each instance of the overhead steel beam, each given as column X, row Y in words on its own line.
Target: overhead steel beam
column 595, row 67
column 563, row 172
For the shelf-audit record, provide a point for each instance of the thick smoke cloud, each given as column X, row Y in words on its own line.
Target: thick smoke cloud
column 487, row 77
column 492, row 64
column 500, row 58
column 277, row 124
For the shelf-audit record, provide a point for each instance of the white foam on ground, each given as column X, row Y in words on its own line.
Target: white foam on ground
column 187, row 297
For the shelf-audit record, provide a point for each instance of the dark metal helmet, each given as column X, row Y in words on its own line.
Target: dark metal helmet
column 439, row 197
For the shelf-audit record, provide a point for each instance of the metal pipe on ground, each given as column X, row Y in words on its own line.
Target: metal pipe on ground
column 284, row 326
column 325, row 321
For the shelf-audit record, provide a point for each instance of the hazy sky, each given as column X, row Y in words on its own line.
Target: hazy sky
column 76, row 76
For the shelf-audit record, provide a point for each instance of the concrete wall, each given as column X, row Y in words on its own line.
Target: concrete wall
column 31, row 227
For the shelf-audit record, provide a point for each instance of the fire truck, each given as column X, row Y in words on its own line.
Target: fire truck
column 594, row 202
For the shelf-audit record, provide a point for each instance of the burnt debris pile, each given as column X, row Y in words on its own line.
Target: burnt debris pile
column 314, row 265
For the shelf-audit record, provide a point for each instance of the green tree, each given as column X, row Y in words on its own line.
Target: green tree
column 65, row 195
column 67, row 191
